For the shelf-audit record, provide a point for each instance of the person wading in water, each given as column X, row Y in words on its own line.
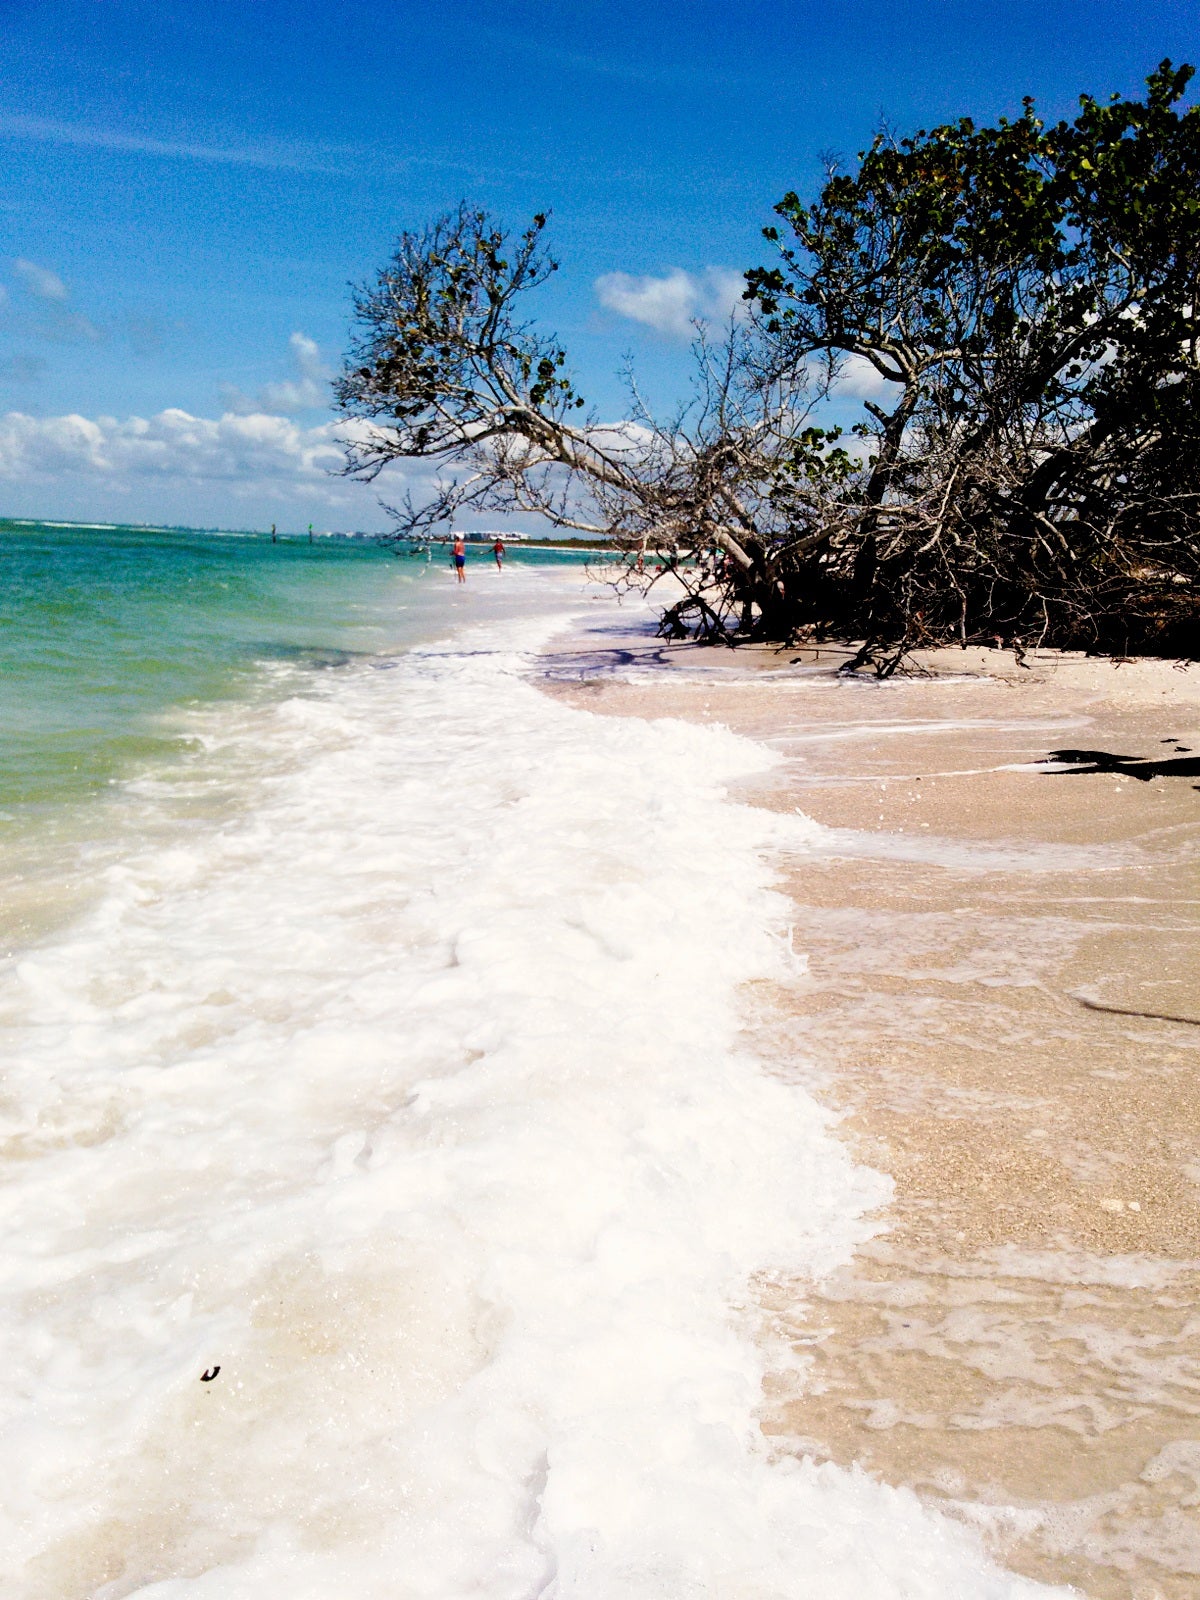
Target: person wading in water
column 498, row 552
column 460, row 558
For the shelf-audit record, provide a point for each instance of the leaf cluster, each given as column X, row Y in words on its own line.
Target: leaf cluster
column 441, row 355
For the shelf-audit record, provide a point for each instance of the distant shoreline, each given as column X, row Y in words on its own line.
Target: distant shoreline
column 363, row 535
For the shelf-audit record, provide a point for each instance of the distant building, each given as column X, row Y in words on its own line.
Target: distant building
column 488, row 535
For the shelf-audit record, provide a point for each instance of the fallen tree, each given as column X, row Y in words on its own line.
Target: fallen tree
column 446, row 369
column 1019, row 309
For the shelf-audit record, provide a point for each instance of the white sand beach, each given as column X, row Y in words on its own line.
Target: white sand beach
column 1001, row 997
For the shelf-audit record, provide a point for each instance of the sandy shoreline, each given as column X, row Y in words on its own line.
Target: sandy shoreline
column 1018, row 1344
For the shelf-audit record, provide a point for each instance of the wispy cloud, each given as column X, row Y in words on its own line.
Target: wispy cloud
column 55, row 319
column 629, row 66
column 673, row 303
column 145, row 333
column 336, row 161
column 283, row 158
column 21, row 368
column 70, row 327
column 308, row 389
column 39, row 281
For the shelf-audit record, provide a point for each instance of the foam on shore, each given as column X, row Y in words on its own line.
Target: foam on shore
column 409, row 1094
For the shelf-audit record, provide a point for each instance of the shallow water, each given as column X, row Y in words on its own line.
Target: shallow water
column 387, row 1191
column 112, row 637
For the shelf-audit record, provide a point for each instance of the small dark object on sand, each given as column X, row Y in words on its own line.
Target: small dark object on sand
column 207, row 1377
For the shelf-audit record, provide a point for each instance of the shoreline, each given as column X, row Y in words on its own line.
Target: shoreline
column 432, row 1077
column 1016, row 1344
column 379, row 1130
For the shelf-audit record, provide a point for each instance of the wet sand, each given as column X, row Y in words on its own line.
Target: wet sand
column 1020, row 1342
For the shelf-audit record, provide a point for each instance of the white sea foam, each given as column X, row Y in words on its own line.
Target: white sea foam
column 955, row 855
column 409, row 1095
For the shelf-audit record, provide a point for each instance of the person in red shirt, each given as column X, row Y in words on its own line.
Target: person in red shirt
column 498, row 552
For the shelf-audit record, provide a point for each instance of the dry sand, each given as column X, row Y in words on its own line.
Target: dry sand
column 1020, row 1343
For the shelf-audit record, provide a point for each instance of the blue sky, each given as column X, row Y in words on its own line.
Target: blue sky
column 189, row 188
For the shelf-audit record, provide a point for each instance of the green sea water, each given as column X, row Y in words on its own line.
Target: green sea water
column 105, row 631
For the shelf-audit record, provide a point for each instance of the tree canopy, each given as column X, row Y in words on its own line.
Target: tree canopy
column 1029, row 298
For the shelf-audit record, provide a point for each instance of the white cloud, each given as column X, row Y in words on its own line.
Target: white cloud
column 672, row 303
column 860, row 380
column 40, row 281
column 247, row 455
column 307, row 355
column 308, row 389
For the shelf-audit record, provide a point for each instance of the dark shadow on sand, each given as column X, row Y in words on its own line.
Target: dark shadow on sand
column 583, row 665
column 1180, row 764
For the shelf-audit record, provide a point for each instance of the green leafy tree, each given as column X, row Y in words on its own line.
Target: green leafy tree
column 1028, row 299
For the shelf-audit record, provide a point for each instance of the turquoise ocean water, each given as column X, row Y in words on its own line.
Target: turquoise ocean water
column 104, row 630
column 111, row 636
